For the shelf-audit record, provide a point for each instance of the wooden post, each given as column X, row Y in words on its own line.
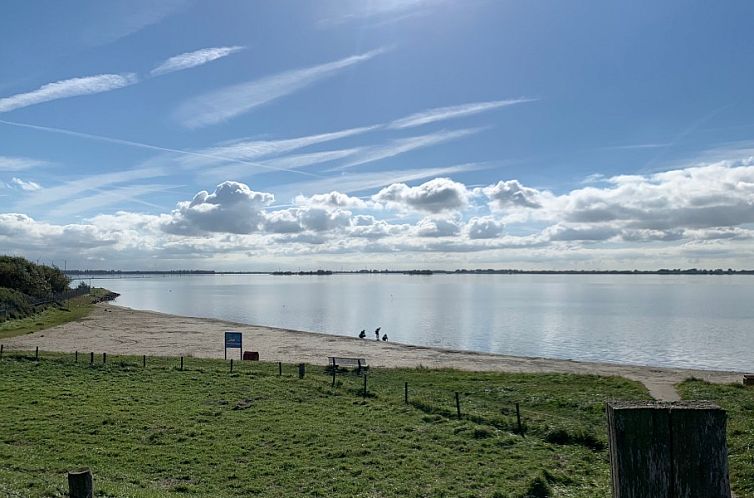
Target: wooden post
column 231, row 365
column 181, row 363
column 365, row 386
column 334, row 367
column 144, row 361
column 80, row 484
column 104, row 358
column 36, row 354
column 76, row 357
column 91, row 358
column 668, row 450
column 1, row 350
column 518, row 418
column 301, row 370
column 280, row 369
column 458, row 406
column 405, row 392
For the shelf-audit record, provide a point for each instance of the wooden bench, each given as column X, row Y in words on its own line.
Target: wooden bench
column 339, row 361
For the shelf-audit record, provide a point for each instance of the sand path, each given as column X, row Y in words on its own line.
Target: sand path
column 117, row 330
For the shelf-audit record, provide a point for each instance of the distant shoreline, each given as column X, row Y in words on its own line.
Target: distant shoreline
column 690, row 271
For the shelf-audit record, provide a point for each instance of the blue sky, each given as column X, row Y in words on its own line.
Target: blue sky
column 247, row 135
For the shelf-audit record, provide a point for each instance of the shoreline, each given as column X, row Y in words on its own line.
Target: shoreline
column 120, row 330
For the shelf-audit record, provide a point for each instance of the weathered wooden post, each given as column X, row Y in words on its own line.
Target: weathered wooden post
column 181, row 363
column 80, row 484
column 231, row 365
column 144, row 361
column 1, row 351
column 301, row 370
column 280, row 369
column 36, row 354
column 76, row 357
column 91, row 358
column 334, row 367
column 104, row 358
column 405, row 392
column 668, row 450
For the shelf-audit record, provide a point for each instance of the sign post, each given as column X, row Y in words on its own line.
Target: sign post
column 233, row 340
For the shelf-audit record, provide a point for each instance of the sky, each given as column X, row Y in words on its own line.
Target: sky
column 370, row 134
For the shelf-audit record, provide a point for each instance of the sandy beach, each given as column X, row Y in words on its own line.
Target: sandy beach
column 118, row 330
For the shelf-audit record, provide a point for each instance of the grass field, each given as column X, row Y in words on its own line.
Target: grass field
column 52, row 316
column 204, row 431
column 738, row 401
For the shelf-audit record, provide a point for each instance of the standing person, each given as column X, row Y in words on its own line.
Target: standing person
column 377, row 333
column 363, row 334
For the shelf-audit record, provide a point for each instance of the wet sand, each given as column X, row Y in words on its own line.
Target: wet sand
column 118, row 330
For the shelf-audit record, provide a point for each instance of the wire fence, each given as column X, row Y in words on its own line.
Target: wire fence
column 495, row 407
column 9, row 310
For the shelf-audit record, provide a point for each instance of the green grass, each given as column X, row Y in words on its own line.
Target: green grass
column 51, row 316
column 204, row 431
column 738, row 401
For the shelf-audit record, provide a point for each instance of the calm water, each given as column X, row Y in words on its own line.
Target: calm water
column 682, row 321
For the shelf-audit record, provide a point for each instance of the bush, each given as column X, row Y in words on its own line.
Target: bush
column 29, row 278
column 16, row 304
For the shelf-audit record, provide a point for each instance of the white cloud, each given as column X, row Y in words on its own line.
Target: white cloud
column 485, row 227
column 438, row 227
column 434, row 196
column 25, row 185
column 188, row 60
column 333, row 199
column 232, row 208
column 511, row 193
column 68, row 88
column 229, row 102
column 453, row 112
column 8, row 163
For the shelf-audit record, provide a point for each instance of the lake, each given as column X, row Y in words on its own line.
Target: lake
column 699, row 321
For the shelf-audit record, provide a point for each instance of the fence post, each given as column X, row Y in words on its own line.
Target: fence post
column 36, row 354
column 518, row 418
column 104, row 358
column 334, row 367
column 91, row 358
column 405, row 392
column 231, row 365
column 144, row 361
column 76, row 357
column 280, row 369
column 181, row 363
column 1, row 351
column 667, row 449
column 301, row 370
column 80, row 484
column 458, row 406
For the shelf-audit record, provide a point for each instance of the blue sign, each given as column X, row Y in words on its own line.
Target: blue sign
column 233, row 340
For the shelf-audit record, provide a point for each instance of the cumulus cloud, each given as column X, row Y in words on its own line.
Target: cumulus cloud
column 188, row 60
column 232, row 208
column 438, row 227
column 68, row 88
column 511, row 193
column 700, row 212
column 485, row 227
column 434, row 196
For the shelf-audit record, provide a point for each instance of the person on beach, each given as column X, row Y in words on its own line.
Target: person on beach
column 384, row 337
column 377, row 333
column 363, row 334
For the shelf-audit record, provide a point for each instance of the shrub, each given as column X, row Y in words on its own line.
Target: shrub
column 16, row 304
column 29, row 278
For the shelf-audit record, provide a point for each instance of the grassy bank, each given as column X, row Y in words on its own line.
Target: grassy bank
column 738, row 401
column 204, row 431
column 51, row 316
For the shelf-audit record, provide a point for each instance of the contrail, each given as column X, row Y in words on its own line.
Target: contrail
column 148, row 146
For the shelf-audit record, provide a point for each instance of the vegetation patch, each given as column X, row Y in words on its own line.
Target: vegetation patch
column 738, row 402
column 161, row 432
